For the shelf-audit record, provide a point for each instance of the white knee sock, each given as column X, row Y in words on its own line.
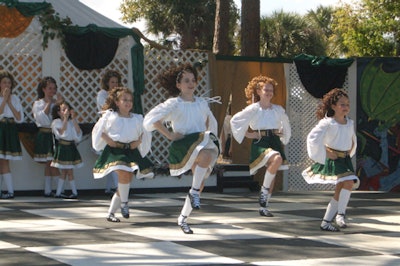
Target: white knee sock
column 9, row 182
column 72, row 184
column 60, row 186
column 186, row 210
column 198, row 177
column 123, row 190
column 344, row 198
column 331, row 210
column 47, row 184
column 268, row 178
column 115, row 204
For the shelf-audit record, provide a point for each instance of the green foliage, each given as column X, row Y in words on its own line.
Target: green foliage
column 289, row 34
column 52, row 26
column 192, row 20
column 368, row 28
column 321, row 20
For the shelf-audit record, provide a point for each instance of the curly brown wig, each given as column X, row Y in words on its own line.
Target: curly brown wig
column 114, row 95
column 329, row 99
column 255, row 84
column 169, row 78
column 106, row 79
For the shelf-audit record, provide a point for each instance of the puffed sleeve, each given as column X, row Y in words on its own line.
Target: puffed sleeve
column 39, row 115
column 160, row 112
column 240, row 122
column 145, row 144
column 101, row 99
column 98, row 143
column 315, row 141
column 55, row 125
column 287, row 132
column 17, row 105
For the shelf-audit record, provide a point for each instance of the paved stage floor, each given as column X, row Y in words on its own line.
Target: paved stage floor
column 227, row 231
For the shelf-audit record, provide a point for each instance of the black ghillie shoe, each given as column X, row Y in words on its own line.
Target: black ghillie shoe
column 340, row 220
column 327, row 226
column 185, row 228
column 265, row 212
column 73, row 196
column 111, row 218
column 125, row 210
column 7, row 196
column 262, row 199
column 194, row 200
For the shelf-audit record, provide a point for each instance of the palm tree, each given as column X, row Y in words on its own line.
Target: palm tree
column 289, row 34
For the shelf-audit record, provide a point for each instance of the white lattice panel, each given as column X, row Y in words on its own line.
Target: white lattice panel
column 21, row 56
column 155, row 62
column 80, row 87
column 301, row 110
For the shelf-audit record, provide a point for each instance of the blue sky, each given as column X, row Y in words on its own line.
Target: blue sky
column 110, row 8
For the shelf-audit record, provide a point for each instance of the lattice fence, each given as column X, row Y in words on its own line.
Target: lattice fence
column 155, row 62
column 301, row 111
column 80, row 87
column 22, row 57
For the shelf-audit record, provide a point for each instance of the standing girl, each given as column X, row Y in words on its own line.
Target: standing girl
column 193, row 133
column 123, row 143
column 270, row 131
column 110, row 80
column 44, row 143
column 330, row 144
column 10, row 113
column 67, row 132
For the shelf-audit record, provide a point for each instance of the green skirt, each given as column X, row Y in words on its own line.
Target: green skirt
column 112, row 159
column 183, row 152
column 332, row 172
column 44, row 146
column 263, row 149
column 10, row 146
column 66, row 155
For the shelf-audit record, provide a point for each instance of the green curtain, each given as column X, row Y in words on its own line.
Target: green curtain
column 137, row 56
column 321, row 74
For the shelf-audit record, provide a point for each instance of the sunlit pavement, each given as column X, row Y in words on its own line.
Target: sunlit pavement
column 227, row 230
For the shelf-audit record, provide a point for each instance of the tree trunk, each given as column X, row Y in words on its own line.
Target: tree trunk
column 221, row 33
column 250, row 28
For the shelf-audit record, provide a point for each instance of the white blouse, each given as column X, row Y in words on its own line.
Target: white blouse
column 185, row 117
column 257, row 118
column 41, row 118
column 121, row 129
column 330, row 133
column 7, row 111
column 101, row 99
column 69, row 134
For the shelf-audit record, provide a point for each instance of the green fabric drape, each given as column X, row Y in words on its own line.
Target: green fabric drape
column 27, row 9
column 321, row 74
column 137, row 56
